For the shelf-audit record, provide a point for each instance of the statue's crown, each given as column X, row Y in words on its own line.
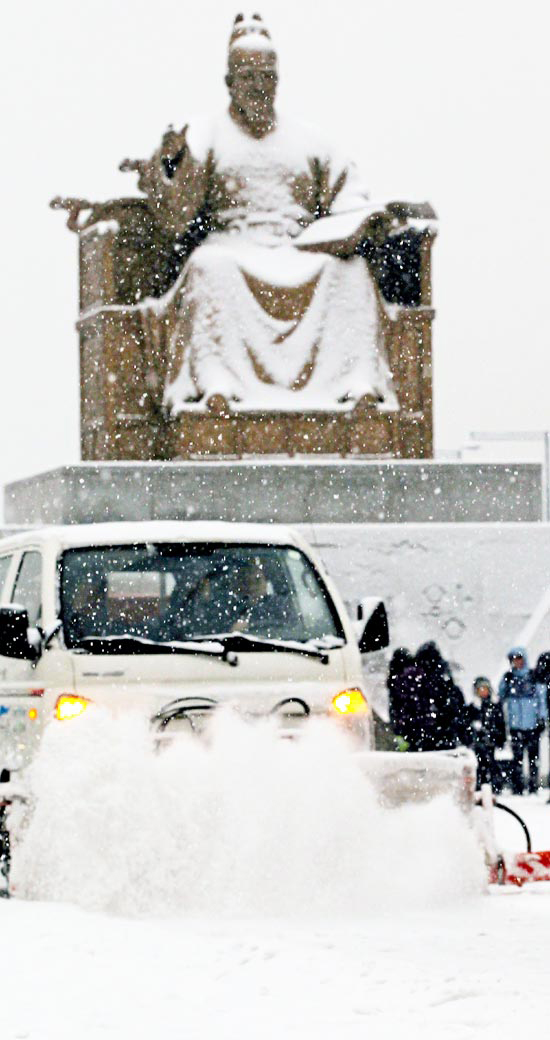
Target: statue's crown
column 250, row 32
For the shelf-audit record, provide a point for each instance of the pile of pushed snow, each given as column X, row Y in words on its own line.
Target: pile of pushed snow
column 247, row 824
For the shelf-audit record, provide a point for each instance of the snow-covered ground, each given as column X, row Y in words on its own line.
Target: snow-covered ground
column 254, row 888
column 466, row 971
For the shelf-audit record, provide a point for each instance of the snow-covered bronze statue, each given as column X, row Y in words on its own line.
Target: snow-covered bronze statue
column 259, row 321
column 264, row 257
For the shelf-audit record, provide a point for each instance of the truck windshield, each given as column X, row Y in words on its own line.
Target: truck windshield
column 170, row 592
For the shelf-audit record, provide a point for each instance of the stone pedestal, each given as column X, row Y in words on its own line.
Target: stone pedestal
column 278, row 491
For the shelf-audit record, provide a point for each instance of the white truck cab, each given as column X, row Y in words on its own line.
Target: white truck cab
column 132, row 616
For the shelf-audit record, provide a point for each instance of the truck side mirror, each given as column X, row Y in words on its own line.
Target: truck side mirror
column 372, row 625
column 14, row 634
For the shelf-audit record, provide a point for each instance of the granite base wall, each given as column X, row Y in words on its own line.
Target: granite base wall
column 280, row 491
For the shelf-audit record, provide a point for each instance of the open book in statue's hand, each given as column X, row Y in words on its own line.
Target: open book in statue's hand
column 341, row 233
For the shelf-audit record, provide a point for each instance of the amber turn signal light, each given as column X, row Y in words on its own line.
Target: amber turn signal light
column 350, row 702
column 69, row 706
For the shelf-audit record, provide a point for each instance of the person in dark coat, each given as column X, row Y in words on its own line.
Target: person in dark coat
column 541, row 674
column 445, row 719
column 399, row 701
column 427, row 709
column 488, row 731
column 524, row 699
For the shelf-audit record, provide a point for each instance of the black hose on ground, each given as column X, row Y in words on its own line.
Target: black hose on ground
column 505, row 808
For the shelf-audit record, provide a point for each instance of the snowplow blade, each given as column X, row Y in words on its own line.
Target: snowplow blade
column 519, row 868
column 507, row 868
column 401, row 777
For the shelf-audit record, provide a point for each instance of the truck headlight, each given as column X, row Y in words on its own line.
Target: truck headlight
column 69, row 706
column 350, row 702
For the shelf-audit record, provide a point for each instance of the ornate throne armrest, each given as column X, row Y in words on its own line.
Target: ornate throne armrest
column 402, row 262
column 126, row 253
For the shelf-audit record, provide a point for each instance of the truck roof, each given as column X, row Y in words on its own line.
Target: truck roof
column 138, row 531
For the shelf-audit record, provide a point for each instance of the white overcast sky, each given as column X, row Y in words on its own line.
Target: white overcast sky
column 434, row 100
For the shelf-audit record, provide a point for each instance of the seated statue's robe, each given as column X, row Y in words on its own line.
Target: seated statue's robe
column 267, row 325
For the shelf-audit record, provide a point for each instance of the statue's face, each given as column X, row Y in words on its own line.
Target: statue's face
column 252, row 83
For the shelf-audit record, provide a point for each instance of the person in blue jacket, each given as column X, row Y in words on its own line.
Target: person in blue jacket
column 525, row 701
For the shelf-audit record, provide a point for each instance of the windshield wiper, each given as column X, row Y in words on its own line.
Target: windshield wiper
column 128, row 644
column 236, row 642
column 223, row 645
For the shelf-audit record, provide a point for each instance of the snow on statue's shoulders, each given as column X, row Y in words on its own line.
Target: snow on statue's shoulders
column 290, row 142
column 298, row 137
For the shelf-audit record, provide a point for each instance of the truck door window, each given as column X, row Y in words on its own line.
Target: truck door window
column 4, row 568
column 28, row 586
